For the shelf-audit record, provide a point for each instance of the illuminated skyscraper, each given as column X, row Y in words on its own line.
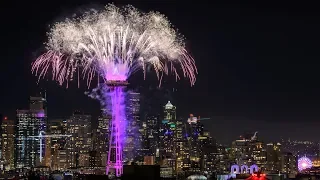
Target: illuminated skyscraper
column 168, row 135
column 7, row 142
column 79, row 143
column 207, row 150
column 288, row 163
column 103, row 132
column 30, row 149
column 56, row 127
column 274, row 155
column 149, row 138
column 152, row 134
column 134, row 137
column 193, row 159
column 259, row 153
column 39, row 103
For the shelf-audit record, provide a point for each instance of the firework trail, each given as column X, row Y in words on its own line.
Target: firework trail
column 113, row 44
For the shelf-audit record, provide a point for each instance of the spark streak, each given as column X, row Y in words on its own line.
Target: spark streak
column 114, row 44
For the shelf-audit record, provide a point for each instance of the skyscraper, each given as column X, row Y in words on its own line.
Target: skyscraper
column 195, row 140
column 274, row 155
column 28, row 151
column 133, row 136
column 168, row 135
column 30, row 148
column 79, row 143
column 39, row 103
column 7, row 142
column 103, row 133
column 288, row 163
column 152, row 134
column 56, row 127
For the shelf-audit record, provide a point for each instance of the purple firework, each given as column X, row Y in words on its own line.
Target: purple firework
column 304, row 163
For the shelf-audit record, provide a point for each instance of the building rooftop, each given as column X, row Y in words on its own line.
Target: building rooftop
column 169, row 105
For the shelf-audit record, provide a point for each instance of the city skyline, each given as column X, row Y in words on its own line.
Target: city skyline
column 179, row 148
column 254, row 76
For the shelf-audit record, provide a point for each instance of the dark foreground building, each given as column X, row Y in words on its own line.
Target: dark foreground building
column 144, row 172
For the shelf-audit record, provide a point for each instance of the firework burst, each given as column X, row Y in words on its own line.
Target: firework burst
column 304, row 163
column 113, row 44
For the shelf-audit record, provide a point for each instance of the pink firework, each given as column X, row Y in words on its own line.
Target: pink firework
column 113, row 44
column 304, row 163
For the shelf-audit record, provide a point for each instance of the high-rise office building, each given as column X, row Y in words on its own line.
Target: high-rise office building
column 133, row 136
column 288, row 163
column 207, row 150
column 30, row 148
column 7, row 142
column 259, row 153
column 168, row 135
column 193, row 159
column 79, row 143
column 222, row 159
column 274, row 158
column 144, row 149
column 39, row 103
column 241, row 151
column 103, row 132
column 56, row 128
column 151, row 134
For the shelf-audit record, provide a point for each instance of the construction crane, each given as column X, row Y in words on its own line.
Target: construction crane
column 254, row 137
column 201, row 119
column 43, row 135
column 193, row 119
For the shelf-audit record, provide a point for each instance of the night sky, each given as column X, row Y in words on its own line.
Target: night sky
column 258, row 64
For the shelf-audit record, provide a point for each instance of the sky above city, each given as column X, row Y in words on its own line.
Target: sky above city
column 258, row 64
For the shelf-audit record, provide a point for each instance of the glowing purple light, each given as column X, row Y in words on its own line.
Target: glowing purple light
column 304, row 163
column 116, row 73
column 116, row 77
column 118, row 129
column 40, row 114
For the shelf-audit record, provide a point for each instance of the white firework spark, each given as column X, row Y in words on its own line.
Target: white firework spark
column 114, row 44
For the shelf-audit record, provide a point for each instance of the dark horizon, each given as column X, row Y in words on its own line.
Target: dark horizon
column 257, row 62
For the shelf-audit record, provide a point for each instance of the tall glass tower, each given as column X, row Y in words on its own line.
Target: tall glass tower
column 168, row 135
column 30, row 123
